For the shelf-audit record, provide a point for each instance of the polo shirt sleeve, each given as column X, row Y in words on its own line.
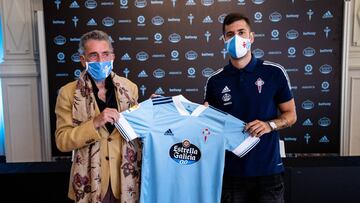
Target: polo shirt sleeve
column 237, row 140
column 208, row 88
column 283, row 93
column 136, row 121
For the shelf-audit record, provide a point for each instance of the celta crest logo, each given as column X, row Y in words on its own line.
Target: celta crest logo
column 259, row 83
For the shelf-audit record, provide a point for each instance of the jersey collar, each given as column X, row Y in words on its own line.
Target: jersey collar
column 178, row 101
column 248, row 68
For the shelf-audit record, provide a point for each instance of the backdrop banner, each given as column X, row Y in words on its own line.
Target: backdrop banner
column 171, row 47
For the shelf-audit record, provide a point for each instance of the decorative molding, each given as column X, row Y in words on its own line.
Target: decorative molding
column 17, row 29
column 356, row 23
column 354, row 60
column 22, row 74
column 44, row 100
column 354, row 115
column 21, row 120
column 36, row 5
column 344, row 120
column 20, row 68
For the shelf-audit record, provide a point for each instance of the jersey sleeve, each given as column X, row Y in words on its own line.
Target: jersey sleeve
column 136, row 121
column 237, row 140
column 208, row 92
column 283, row 94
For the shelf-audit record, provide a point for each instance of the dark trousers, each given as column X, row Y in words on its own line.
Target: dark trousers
column 264, row 189
column 109, row 197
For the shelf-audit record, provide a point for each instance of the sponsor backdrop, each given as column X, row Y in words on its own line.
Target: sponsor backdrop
column 170, row 47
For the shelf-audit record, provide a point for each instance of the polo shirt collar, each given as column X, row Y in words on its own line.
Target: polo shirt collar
column 248, row 68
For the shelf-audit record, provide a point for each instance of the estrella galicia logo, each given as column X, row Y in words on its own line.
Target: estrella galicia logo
column 75, row 57
column 90, row 4
column 108, row 22
column 309, row 52
column 207, row 2
column 275, row 17
column 142, row 56
column 324, row 122
column 325, row 69
column 258, row 53
column 159, row 73
column 292, row 34
column 185, row 153
column 258, row 1
column 191, row 55
column 59, row 40
column 206, row 72
column 307, row 105
column 157, row 20
column 174, row 38
column 140, row 3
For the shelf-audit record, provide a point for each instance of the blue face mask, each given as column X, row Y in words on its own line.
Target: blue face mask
column 99, row 70
column 237, row 46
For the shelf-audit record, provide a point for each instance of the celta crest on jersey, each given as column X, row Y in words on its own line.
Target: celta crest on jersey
column 226, row 97
column 259, row 83
column 206, row 133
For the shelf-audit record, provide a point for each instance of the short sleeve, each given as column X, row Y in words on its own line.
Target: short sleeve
column 283, row 94
column 237, row 140
column 208, row 89
column 136, row 121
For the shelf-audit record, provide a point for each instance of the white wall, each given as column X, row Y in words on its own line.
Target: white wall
column 20, row 79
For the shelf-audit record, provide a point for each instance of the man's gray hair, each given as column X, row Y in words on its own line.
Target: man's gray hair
column 94, row 35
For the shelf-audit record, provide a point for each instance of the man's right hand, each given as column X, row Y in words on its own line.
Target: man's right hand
column 109, row 115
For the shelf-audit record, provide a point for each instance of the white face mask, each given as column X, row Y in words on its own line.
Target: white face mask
column 237, row 46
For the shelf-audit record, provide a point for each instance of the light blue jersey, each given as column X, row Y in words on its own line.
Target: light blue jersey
column 184, row 147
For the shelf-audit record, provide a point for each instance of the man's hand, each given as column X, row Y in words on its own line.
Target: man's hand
column 257, row 128
column 109, row 115
column 154, row 95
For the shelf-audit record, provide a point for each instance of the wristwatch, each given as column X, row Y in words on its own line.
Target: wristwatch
column 272, row 125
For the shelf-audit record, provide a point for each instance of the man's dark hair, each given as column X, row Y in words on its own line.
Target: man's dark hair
column 232, row 17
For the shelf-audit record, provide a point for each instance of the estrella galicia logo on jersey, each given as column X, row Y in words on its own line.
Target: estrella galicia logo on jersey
column 185, row 153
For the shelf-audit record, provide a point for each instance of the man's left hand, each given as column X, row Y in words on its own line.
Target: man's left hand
column 257, row 128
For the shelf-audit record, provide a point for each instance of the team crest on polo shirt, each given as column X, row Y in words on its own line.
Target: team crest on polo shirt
column 259, row 83
column 226, row 97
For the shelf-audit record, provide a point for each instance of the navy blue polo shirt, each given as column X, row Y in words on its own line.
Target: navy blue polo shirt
column 251, row 93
